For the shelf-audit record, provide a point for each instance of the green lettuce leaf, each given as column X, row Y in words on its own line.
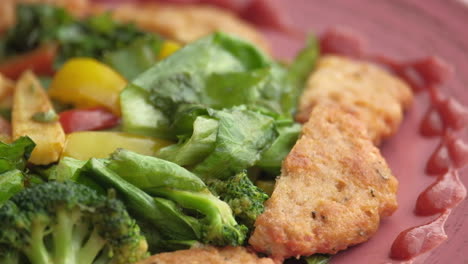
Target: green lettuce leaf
column 243, row 135
column 15, row 155
column 136, row 58
column 11, row 182
column 218, row 71
column 192, row 150
column 150, row 172
column 273, row 157
column 317, row 259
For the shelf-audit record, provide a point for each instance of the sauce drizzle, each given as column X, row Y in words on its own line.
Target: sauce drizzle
column 420, row 239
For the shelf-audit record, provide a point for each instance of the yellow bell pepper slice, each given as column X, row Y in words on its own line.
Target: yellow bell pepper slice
column 168, row 47
column 100, row 144
column 86, row 82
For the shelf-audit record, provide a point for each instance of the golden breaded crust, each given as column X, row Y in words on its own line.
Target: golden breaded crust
column 186, row 23
column 7, row 9
column 371, row 94
column 334, row 188
column 208, row 255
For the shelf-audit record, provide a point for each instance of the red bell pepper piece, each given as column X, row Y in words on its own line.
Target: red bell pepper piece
column 39, row 61
column 95, row 118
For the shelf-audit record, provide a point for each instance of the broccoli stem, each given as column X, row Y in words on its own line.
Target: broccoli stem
column 91, row 249
column 80, row 232
column 63, row 237
column 37, row 252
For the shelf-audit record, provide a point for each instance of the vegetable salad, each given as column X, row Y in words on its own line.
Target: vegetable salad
column 123, row 143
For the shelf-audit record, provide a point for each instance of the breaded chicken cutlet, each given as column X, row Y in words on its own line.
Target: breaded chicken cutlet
column 334, row 188
column 374, row 96
column 208, row 255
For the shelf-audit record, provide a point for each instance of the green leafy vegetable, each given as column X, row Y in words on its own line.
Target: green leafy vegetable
column 65, row 170
column 135, row 58
column 175, row 190
column 11, row 182
column 217, row 71
column 223, row 142
column 192, row 150
column 167, row 223
column 272, row 158
column 317, row 259
column 301, row 68
column 15, row 155
column 36, row 24
column 99, row 37
column 242, row 137
column 147, row 172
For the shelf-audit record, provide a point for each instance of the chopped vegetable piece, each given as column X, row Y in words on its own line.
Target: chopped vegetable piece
column 65, row 170
column 15, row 155
column 163, row 222
column 29, row 99
column 272, row 158
column 132, row 60
column 86, row 82
column 197, row 74
column 95, row 118
column 317, row 259
column 39, row 61
column 35, row 25
column 11, row 182
column 242, row 137
column 303, row 64
column 190, row 151
column 168, row 48
column 45, row 117
column 94, row 36
column 164, row 179
column 100, row 144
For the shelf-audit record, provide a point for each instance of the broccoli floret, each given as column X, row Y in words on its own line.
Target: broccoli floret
column 219, row 227
column 65, row 222
column 9, row 255
column 245, row 199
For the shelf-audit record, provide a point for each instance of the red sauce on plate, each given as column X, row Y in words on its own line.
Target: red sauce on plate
column 420, row 239
column 445, row 193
